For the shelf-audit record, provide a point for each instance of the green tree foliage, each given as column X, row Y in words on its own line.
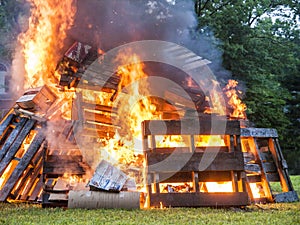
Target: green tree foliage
column 9, row 27
column 260, row 41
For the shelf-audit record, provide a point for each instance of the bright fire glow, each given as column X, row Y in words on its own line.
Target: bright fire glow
column 257, row 190
column 219, row 186
column 209, row 140
column 43, row 41
column 235, row 103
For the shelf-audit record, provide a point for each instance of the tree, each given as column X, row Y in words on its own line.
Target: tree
column 263, row 53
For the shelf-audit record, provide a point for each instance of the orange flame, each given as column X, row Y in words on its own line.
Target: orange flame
column 43, row 41
column 236, row 104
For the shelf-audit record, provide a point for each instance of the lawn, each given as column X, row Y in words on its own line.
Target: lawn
column 287, row 213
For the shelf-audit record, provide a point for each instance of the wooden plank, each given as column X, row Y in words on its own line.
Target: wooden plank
column 100, row 118
column 61, row 168
column 22, row 165
column 273, row 177
column 16, row 144
column 199, row 199
column 37, row 190
column 269, row 167
column 190, row 127
column 290, row 196
column 5, row 123
column 10, row 140
column 64, row 158
column 34, row 180
column 259, row 132
column 253, row 178
column 173, row 162
column 102, row 108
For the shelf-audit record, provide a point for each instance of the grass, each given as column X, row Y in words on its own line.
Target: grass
column 287, row 213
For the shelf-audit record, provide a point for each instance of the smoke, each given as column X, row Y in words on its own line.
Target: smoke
column 110, row 23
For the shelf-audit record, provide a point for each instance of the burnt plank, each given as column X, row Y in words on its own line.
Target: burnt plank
column 62, row 167
column 97, row 107
column 253, row 178
column 259, row 132
column 37, row 190
column 16, row 144
column 100, row 118
column 64, row 158
column 191, row 127
column 34, row 179
column 22, row 165
column 188, row 162
column 13, row 135
column 290, row 196
column 273, row 177
column 5, row 123
column 199, row 199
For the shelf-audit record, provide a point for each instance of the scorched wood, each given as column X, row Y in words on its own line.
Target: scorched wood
column 14, row 134
column 16, row 145
column 22, row 165
column 5, row 123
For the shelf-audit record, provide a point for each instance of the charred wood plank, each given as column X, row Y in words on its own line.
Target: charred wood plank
column 100, row 118
column 190, row 127
column 5, row 123
column 16, row 144
column 32, row 182
column 61, row 167
column 259, row 132
column 173, row 162
column 102, row 108
column 22, row 165
column 65, row 158
column 199, row 199
column 12, row 137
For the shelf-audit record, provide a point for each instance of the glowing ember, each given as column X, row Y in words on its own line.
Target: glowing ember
column 257, row 190
column 235, row 103
column 209, row 140
column 219, row 186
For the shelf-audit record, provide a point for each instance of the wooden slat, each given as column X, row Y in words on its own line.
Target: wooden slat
column 95, row 117
column 16, row 145
column 61, row 168
column 273, row 177
column 199, row 199
column 269, row 167
column 13, row 135
column 259, row 132
column 190, row 127
column 174, row 162
column 5, row 123
column 22, row 165
column 64, row 158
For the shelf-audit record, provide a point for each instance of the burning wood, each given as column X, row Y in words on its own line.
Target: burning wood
column 37, row 99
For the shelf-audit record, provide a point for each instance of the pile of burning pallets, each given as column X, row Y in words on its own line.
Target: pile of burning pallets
column 41, row 161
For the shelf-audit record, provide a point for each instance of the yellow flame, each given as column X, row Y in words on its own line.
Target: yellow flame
column 43, row 41
column 219, row 186
column 238, row 107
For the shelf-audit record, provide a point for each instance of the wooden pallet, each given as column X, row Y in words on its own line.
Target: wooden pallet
column 165, row 165
column 20, row 167
column 265, row 165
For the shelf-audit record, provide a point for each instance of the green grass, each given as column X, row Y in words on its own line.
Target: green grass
column 287, row 213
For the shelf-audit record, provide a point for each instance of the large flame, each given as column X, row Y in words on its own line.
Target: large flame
column 43, row 41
